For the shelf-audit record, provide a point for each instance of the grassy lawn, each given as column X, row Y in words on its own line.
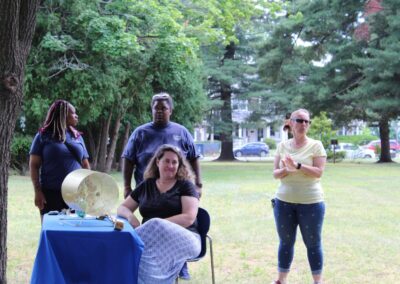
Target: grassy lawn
column 361, row 231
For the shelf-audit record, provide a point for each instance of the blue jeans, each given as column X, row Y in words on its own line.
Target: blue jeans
column 309, row 217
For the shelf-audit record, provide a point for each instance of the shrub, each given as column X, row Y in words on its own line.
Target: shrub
column 20, row 153
column 321, row 129
column 356, row 139
column 271, row 143
column 339, row 156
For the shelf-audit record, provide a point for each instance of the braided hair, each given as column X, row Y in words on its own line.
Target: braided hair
column 56, row 120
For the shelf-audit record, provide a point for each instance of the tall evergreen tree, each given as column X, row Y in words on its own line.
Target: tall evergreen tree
column 379, row 63
column 313, row 59
column 230, row 69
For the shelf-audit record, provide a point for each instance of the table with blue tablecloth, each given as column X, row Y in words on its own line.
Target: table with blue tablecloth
column 86, row 250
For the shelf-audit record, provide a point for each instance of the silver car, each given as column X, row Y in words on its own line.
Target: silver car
column 355, row 152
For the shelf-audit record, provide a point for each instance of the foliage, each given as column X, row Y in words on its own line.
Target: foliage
column 108, row 59
column 338, row 156
column 231, row 70
column 271, row 143
column 306, row 33
column 20, row 153
column 379, row 89
column 313, row 59
column 321, row 129
column 104, row 55
column 356, row 139
column 113, row 55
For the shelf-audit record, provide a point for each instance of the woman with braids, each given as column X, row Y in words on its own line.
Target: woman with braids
column 168, row 201
column 57, row 149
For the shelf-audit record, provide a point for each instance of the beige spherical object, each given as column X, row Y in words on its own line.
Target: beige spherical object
column 91, row 192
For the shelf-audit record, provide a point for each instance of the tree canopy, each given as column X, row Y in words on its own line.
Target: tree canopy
column 108, row 59
column 313, row 59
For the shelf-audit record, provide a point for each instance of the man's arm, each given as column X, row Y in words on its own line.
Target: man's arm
column 127, row 170
column 195, row 163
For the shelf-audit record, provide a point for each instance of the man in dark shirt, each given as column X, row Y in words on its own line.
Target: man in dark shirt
column 146, row 139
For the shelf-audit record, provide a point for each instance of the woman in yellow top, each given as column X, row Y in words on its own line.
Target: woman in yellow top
column 299, row 164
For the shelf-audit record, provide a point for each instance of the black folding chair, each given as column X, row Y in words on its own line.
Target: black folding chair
column 203, row 225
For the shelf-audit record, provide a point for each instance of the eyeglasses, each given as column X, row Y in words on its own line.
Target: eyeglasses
column 300, row 120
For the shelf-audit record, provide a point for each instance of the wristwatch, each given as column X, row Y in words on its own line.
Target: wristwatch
column 298, row 166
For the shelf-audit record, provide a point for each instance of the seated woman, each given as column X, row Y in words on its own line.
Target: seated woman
column 168, row 202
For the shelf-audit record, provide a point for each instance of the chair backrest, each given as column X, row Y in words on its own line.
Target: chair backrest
column 203, row 225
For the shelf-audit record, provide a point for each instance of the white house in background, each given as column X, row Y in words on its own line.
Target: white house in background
column 355, row 127
column 243, row 134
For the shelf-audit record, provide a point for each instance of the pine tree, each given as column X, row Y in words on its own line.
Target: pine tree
column 315, row 59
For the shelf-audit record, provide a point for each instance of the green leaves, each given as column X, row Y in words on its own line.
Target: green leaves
column 102, row 56
column 108, row 37
column 60, row 43
column 321, row 129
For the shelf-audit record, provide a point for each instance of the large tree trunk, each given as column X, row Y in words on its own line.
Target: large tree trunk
column 226, row 134
column 385, row 144
column 17, row 26
column 226, row 113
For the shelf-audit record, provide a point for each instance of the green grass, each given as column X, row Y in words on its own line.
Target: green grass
column 361, row 231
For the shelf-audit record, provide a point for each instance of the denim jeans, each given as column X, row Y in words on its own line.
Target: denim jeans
column 309, row 217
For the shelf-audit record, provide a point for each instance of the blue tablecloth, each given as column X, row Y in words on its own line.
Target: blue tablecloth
column 75, row 250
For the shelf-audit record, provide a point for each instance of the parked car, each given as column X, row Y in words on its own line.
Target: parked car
column 353, row 151
column 364, row 153
column 252, row 149
column 394, row 145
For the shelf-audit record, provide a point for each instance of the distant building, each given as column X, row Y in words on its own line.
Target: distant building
column 354, row 127
column 244, row 132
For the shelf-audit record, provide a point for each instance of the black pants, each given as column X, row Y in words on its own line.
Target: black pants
column 54, row 201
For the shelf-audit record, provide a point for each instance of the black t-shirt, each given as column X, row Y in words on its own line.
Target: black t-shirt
column 154, row 204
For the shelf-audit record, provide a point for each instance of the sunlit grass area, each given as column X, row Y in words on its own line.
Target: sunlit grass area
column 361, row 231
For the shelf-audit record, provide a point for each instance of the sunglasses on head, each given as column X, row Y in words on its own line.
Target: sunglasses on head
column 300, row 120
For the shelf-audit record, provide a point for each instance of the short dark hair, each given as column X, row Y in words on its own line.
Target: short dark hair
column 163, row 96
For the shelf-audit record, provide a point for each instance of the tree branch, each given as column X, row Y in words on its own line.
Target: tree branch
column 354, row 83
column 291, row 51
